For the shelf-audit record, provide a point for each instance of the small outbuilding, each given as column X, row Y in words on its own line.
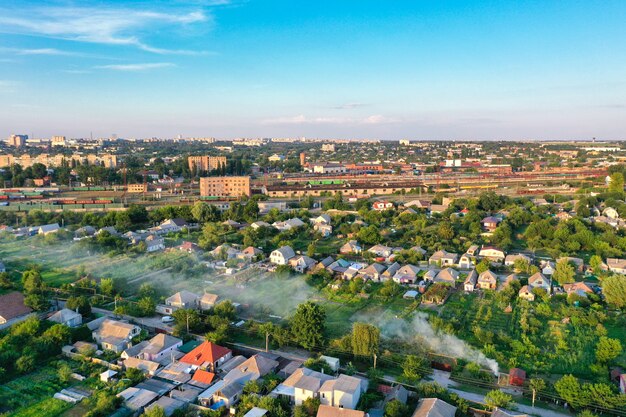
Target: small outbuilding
column 517, row 377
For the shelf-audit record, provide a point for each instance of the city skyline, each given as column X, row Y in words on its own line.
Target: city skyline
column 429, row 70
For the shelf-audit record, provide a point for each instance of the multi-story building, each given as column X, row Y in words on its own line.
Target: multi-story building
column 58, row 141
column 224, row 186
column 205, row 163
column 17, row 141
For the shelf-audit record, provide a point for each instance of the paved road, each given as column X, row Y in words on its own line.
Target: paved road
column 443, row 379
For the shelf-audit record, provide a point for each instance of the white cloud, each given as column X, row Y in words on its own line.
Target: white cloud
column 349, row 106
column 96, row 25
column 43, row 51
column 137, row 67
column 302, row 120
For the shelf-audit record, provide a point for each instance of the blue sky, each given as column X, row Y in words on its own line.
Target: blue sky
column 354, row 69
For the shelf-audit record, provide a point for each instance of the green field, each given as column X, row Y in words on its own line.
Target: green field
column 50, row 407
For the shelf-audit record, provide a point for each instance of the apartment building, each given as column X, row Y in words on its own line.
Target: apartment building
column 205, row 163
column 224, row 186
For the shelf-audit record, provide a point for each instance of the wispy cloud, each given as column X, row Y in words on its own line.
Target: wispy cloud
column 76, row 71
column 111, row 26
column 136, row 67
column 349, row 106
column 38, row 51
column 304, row 120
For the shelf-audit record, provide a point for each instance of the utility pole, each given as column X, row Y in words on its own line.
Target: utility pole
column 375, row 358
column 267, row 341
column 188, row 322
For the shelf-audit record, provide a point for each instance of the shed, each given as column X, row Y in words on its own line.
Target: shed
column 410, row 294
column 332, row 362
column 517, row 377
column 107, row 375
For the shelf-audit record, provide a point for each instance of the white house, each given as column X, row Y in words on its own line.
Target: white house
column 281, row 256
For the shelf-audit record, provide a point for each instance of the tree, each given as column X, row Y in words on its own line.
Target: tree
column 536, row 385
column 564, row 272
column 135, row 375
column 413, row 368
column 369, row 235
column 365, row 339
column 225, row 309
column 395, row 408
column 596, row 264
column 32, row 281
column 5, row 281
column 614, row 290
column 616, row 183
column 307, row 325
column 154, row 411
column 608, row 349
column 483, row 266
column 571, row 391
column 106, row 286
column 65, row 372
column 308, row 408
column 496, row 398
column 586, row 413
column 146, row 307
column 81, row 303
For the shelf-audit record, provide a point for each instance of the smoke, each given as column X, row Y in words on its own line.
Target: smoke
column 418, row 328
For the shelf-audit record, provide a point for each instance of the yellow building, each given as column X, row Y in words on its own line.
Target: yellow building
column 205, row 163
column 224, row 186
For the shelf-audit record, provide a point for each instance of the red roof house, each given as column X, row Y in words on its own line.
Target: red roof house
column 517, row 377
column 208, row 355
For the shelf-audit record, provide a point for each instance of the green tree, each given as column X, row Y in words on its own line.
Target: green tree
column 536, row 385
column 608, row 349
column 106, row 286
column 395, row 408
column 369, row 235
column 571, row 391
column 483, row 266
column 146, row 307
column 64, row 372
column 365, row 339
column 586, row 413
column 413, row 368
column 32, row 281
column 614, row 290
column 564, row 272
column 616, row 183
column 154, row 411
column 496, row 398
column 81, row 303
column 307, row 325
column 596, row 263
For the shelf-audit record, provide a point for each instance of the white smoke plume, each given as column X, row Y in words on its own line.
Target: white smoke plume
column 442, row 343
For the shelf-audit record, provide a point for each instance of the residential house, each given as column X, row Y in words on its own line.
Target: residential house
column 154, row 243
column 328, row 411
column 84, row 232
column 381, row 251
column 115, row 335
column 419, row 250
column 208, row 356
column 250, row 253
column 189, row 247
column 492, row 253
column 447, row 276
column 616, row 265
column 259, row 224
column 526, row 293
column 470, row 282
column 281, row 256
column 146, row 366
column 288, row 224
column 443, row 258
column 159, row 347
column 419, row 204
column 490, row 223
column 171, row 226
column 343, row 392
column 46, row 229
column 323, row 229
column 67, row 317
column 430, row 275
column 208, row 301
column 487, row 280
column 547, row 267
column 467, row 261
column 407, row 274
column 301, row 385
column 538, row 280
column 321, row 219
column 580, row 288
column 227, row 392
column 302, row 264
column 12, row 307
column 434, row 407
column 183, row 299
column 390, row 272
column 473, row 250
column 382, row 205
column 350, row 247
column 611, row 213
column 510, row 259
column 373, row 272
column 224, row 252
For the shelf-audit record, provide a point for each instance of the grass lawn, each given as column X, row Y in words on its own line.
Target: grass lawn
column 50, row 407
column 29, row 389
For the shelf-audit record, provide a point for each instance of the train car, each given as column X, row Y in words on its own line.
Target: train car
column 102, row 201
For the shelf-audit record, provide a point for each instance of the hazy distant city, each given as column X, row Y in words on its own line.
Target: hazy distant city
column 225, row 208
